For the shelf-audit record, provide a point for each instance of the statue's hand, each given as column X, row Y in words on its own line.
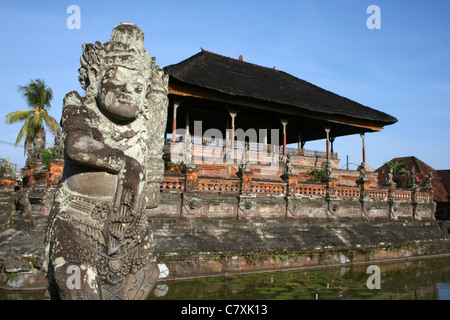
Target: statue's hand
column 126, row 205
column 132, row 174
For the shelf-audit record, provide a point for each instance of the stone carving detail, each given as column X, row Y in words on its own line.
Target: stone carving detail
column 245, row 166
column 191, row 204
column 428, row 181
column 328, row 175
column 10, row 172
column 333, row 207
column 293, row 204
column 412, row 180
column 247, row 203
column 59, row 146
column 394, row 209
column 113, row 168
column 288, row 169
column 389, row 182
column 364, row 207
column 362, row 174
column 34, row 151
column 188, row 154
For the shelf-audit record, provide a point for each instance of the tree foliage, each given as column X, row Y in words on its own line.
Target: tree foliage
column 398, row 170
column 47, row 156
column 38, row 97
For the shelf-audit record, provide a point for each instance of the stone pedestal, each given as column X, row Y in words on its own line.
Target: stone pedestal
column 56, row 171
column 246, row 181
column 292, row 181
column 191, row 177
column 37, row 175
column 7, row 183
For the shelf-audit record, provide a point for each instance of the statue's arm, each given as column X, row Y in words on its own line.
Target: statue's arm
column 83, row 145
column 157, row 117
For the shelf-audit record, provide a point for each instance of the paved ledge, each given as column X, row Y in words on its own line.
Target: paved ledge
column 196, row 248
column 211, row 247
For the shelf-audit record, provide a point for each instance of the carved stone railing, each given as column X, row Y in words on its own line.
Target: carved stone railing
column 402, row 195
column 173, row 184
column 268, row 188
column 219, row 186
column 311, row 190
column 378, row 194
column 348, row 192
column 424, row 197
column 204, row 190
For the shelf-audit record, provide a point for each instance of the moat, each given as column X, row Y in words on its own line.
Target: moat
column 421, row 279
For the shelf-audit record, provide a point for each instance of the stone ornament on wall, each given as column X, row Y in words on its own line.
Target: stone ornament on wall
column 59, row 146
column 293, row 205
column 411, row 183
column 192, row 204
column 389, row 181
column 247, row 204
column 34, row 151
column 333, row 207
column 113, row 168
column 288, row 171
column 10, row 172
column 393, row 211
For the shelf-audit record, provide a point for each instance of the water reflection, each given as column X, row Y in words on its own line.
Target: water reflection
column 427, row 279
column 21, row 295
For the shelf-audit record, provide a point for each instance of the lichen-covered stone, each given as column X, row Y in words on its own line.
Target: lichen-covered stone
column 113, row 167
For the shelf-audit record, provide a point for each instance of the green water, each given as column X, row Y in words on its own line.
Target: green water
column 426, row 279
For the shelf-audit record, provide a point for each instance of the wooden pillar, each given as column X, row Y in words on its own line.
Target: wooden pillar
column 284, row 123
column 363, row 148
column 187, row 134
column 300, row 145
column 331, row 142
column 176, row 104
column 266, row 140
column 233, row 115
column 327, row 130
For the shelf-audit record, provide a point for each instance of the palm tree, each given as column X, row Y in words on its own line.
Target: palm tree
column 38, row 97
column 398, row 170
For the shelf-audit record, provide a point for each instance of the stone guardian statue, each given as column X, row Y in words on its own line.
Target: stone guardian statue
column 98, row 241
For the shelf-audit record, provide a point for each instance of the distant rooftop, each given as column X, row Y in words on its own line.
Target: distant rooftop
column 440, row 182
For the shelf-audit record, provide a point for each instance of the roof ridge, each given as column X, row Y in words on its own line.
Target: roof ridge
column 224, row 74
column 239, row 60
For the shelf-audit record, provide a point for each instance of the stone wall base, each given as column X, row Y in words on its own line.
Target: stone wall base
column 196, row 248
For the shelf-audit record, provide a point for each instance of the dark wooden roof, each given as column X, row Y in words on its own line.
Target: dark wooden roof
column 444, row 176
column 440, row 180
column 242, row 79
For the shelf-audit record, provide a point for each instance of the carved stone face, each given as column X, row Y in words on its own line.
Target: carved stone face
column 122, row 92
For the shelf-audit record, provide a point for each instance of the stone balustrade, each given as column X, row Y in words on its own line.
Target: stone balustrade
column 226, row 192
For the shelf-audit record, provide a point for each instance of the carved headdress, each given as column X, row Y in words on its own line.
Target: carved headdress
column 125, row 49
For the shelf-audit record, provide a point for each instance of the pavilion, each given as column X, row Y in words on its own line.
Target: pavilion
column 230, row 94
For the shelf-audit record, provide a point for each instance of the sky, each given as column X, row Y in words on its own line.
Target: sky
column 402, row 68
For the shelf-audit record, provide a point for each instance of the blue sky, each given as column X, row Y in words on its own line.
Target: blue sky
column 402, row 69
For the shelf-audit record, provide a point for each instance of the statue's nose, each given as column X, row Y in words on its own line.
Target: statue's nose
column 127, row 87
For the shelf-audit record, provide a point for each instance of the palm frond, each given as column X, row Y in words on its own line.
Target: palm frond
column 50, row 122
column 17, row 116
column 36, row 121
column 23, row 133
column 38, row 97
column 37, row 94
